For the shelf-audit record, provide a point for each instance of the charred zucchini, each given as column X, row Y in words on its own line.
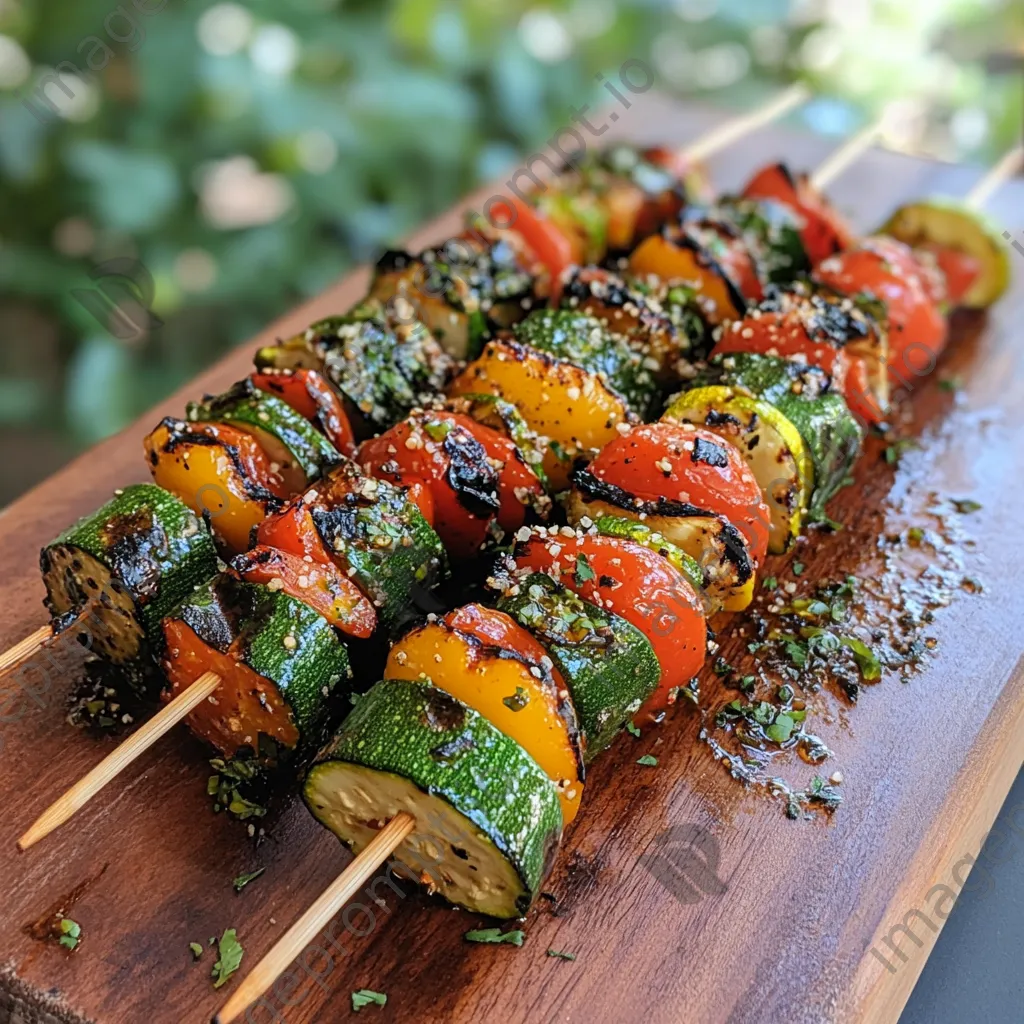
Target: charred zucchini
column 482, row 658
column 770, row 443
column 946, row 224
column 804, row 396
column 582, row 339
column 463, row 292
column 125, row 567
column 629, row 310
column 720, row 550
column 488, row 822
column 383, row 364
column 380, row 536
column 608, row 665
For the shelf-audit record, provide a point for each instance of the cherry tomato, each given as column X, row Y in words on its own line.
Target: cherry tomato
column 688, row 464
column 638, row 584
column 321, row 586
column 440, row 451
column 549, row 245
column 824, row 232
column 886, row 270
column 312, row 397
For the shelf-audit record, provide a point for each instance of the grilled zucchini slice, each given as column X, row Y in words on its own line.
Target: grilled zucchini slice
column 463, row 291
column 584, row 340
column 488, row 821
column 383, row 365
column 132, row 561
column 608, row 665
column 487, row 661
column 391, row 552
column 771, row 445
column 803, row 395
column 719, row 549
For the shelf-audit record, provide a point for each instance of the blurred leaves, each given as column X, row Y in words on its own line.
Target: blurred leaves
column 129, row 190
column 358, row 119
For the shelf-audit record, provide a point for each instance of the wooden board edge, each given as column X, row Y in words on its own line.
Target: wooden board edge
column 886, row 977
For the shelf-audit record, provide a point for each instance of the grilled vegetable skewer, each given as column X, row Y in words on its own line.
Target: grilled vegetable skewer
column 450, row 717
column 823, row 470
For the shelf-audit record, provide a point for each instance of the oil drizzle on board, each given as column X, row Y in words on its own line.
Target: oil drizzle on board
column 802, row 654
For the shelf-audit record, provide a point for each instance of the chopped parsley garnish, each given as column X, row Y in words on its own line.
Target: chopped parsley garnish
column 867, row 661
column 367, row 997
column 796, row 651
column 894, row 452
column 584, row 572
column 496, row 935
column 649, row 760
column 517, row 701
column 769, row 583
column 243, row 880
column 951, row 383
column 70, row 933
column 633, row 730
column 230, row 787
column 798, row 568
column 965, row 505
column 437, row 430
column 781, row 729
column 230, row 950
column 197, row 950
column 561, row 956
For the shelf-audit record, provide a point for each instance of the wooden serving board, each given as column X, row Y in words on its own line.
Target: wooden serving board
column 785, row 933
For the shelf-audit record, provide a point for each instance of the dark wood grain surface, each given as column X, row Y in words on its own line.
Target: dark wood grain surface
column 786, row 936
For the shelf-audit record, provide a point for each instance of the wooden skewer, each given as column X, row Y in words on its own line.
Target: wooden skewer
column 733, row 130
column 316, row 918
column 849, row 152
column 119, row 759
column 1011, row 163
column 24, row 649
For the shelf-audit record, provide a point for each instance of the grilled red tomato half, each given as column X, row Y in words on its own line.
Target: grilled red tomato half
column 888, row 271
column 637, row 583
column 689, row 465
column 441, row 451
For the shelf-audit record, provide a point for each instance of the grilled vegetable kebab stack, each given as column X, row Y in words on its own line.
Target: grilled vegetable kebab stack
column 482, row 389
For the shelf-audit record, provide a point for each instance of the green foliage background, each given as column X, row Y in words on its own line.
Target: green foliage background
column 421, row 99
